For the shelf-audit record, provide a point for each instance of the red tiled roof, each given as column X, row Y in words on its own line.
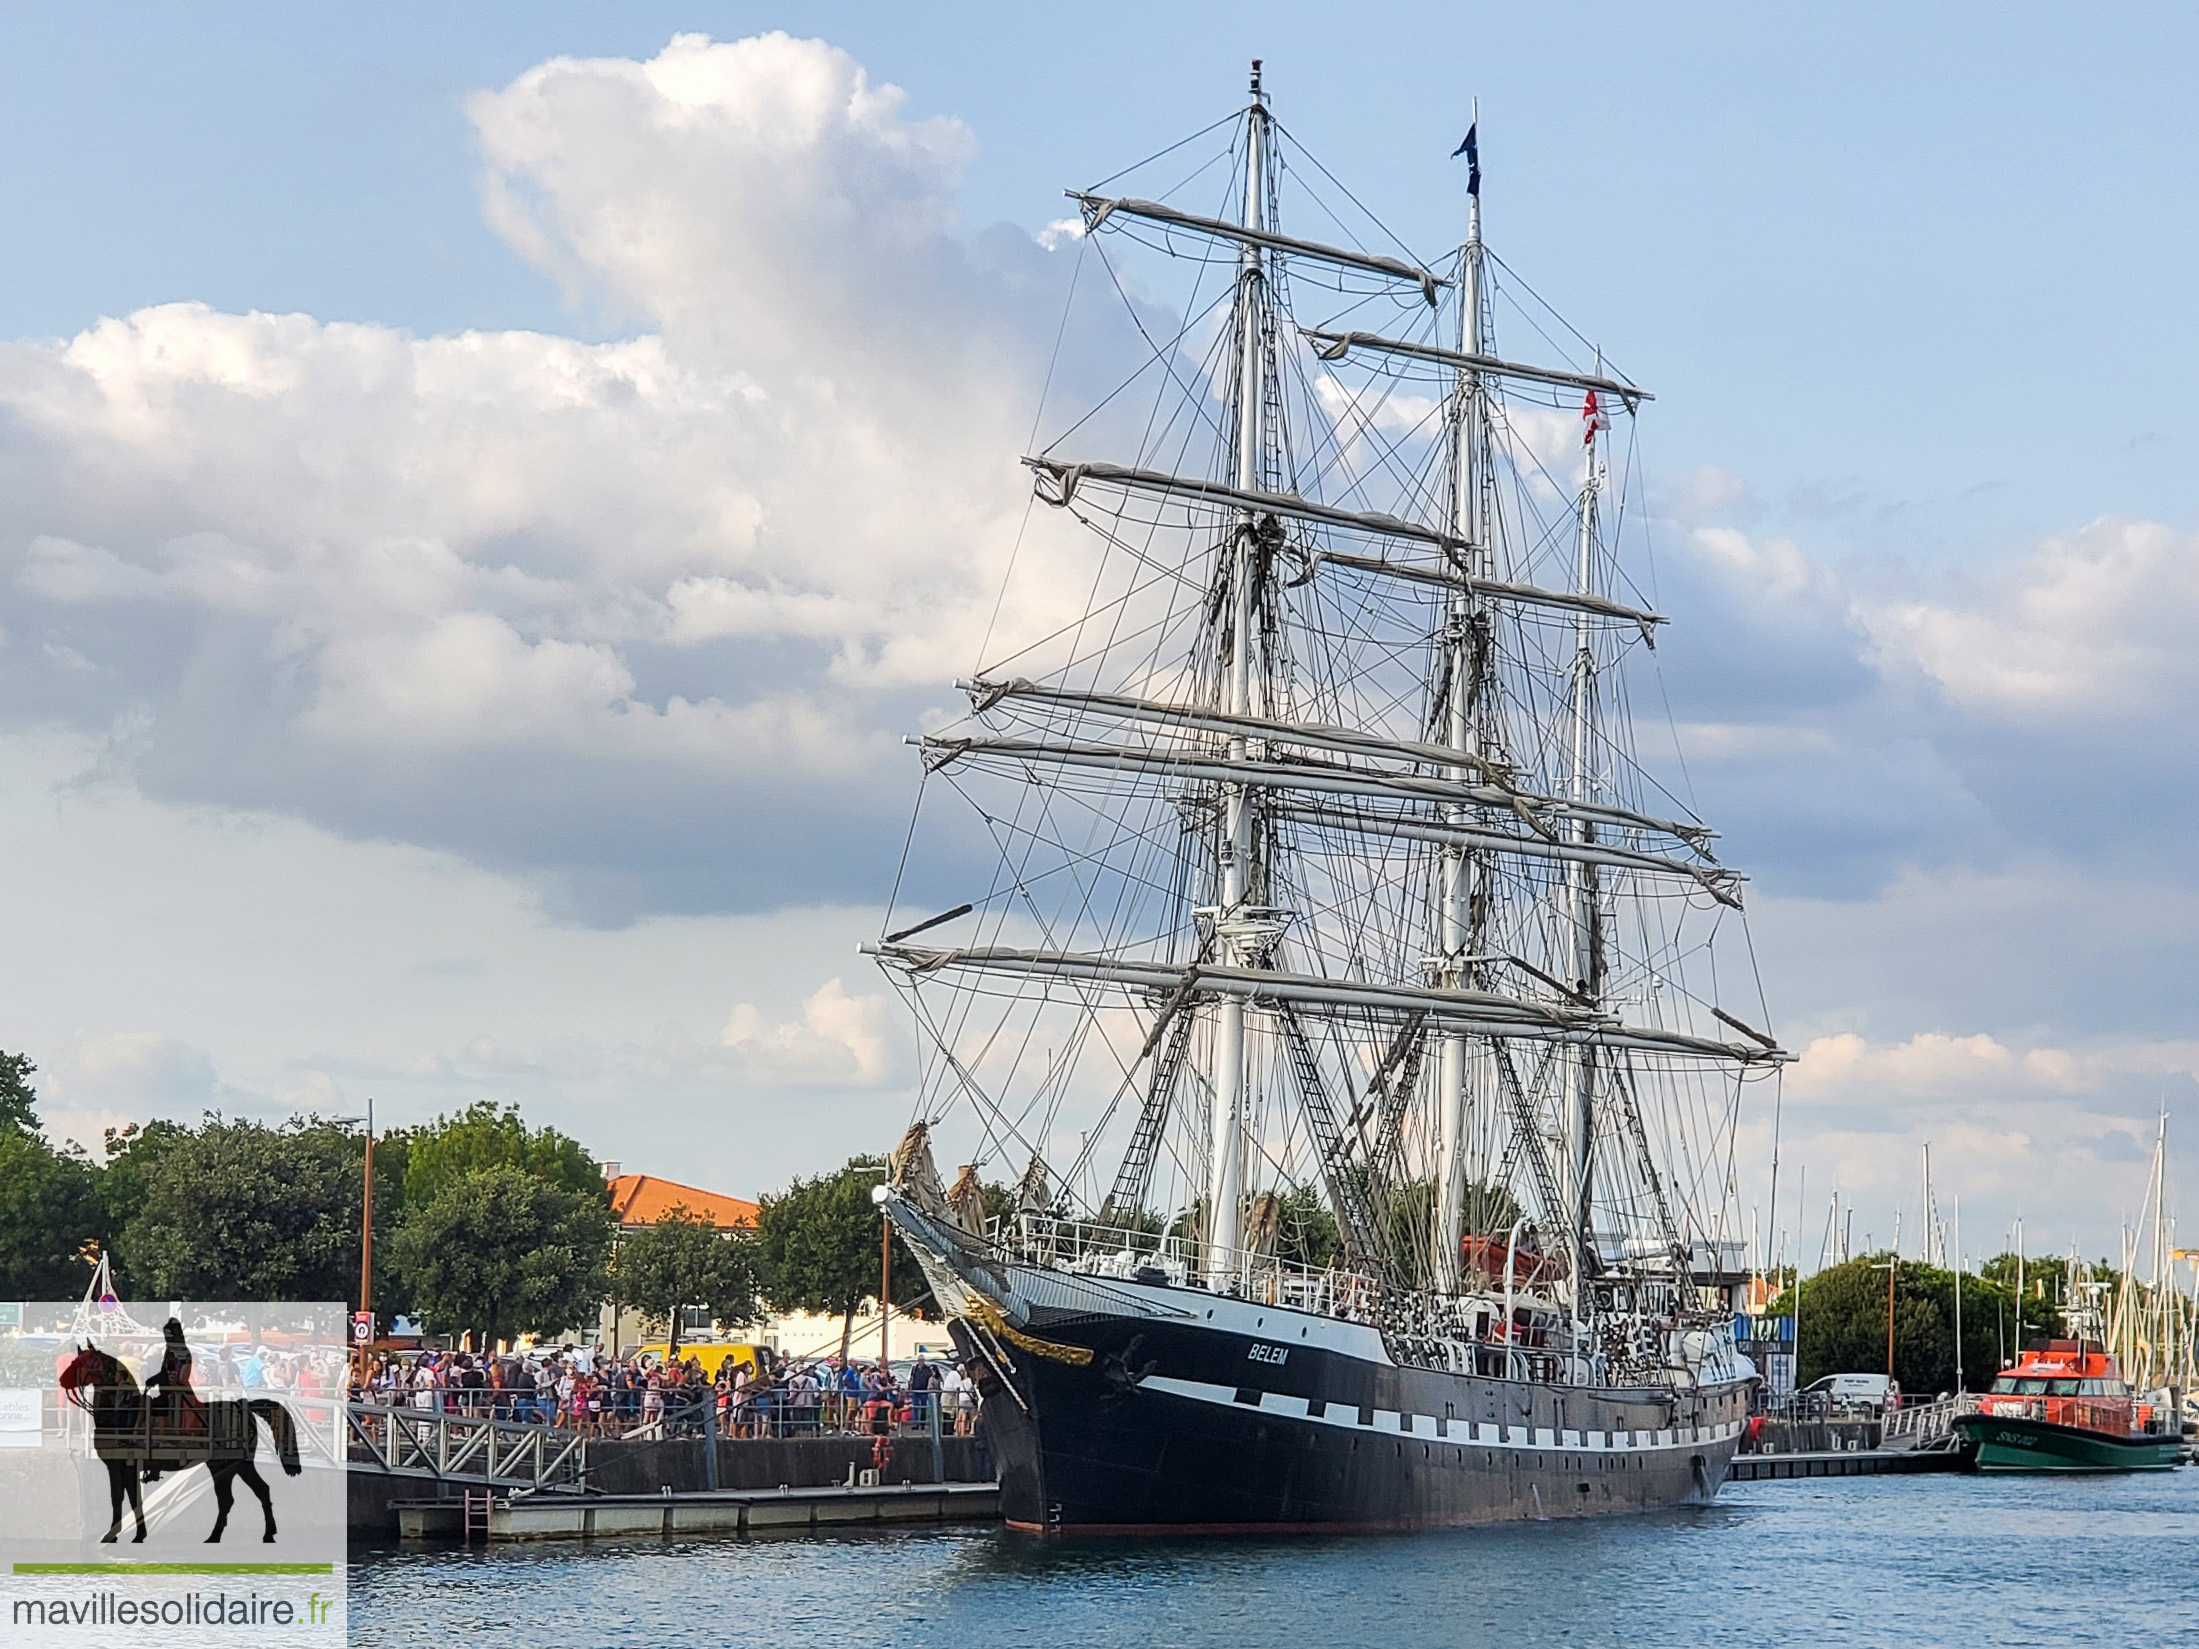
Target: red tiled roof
column 643, row 1199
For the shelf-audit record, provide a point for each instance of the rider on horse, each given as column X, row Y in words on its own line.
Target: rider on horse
column 175, row 1410
column 219, row 1436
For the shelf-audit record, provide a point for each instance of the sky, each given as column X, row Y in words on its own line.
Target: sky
column 484, row 490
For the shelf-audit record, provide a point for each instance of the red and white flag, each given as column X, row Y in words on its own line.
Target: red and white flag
column 1594, row 421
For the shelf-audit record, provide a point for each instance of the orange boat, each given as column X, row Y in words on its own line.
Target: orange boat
column 2065, row 1407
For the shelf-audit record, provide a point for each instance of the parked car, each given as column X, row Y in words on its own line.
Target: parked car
column 1876, row 1392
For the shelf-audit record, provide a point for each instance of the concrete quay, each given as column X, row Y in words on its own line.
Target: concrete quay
column 737, row 1511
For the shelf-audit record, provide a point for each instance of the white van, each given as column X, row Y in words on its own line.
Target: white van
column 1876, row 1392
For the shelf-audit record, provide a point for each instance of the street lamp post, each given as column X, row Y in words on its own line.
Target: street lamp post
column 359, row 1348
column 366, row 1232
column 1892, row 1262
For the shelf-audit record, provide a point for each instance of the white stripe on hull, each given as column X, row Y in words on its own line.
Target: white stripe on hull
column 1423, row 1426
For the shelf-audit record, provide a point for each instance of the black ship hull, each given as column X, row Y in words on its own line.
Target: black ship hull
column 1175, row 1425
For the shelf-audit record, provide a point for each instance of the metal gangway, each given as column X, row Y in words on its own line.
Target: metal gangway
column 467, row 1450
column 1927, row 1425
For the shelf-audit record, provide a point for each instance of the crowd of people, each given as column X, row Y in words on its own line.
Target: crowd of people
column 251, row 1368
column 584, row 1389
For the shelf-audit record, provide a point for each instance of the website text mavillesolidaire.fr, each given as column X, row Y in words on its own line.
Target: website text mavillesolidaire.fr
column 116, row 1608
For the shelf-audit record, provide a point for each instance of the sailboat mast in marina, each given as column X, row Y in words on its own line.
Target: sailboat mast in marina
column 1342, row 998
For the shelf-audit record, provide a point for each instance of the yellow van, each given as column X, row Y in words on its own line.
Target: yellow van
column 709, row 1355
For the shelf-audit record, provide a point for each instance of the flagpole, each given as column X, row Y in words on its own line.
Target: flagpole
column 1958, row 1295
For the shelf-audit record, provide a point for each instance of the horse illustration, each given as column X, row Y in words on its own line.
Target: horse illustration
column 134, row 1433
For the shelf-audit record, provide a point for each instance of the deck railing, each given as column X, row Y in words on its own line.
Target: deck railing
column 1466, row 1332
column 2109, row 1415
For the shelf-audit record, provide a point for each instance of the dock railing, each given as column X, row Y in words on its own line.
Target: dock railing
column 1918, row 1424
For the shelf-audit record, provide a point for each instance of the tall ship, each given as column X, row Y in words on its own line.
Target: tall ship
column 1355, row 1032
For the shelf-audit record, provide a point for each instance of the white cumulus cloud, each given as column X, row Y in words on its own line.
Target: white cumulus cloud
column 421, row 585
column 840, row 1041
column 2094, row 625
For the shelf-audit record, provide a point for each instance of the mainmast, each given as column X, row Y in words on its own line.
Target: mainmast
column 1240, row 941
column 1583, row 916
column 1462, row 906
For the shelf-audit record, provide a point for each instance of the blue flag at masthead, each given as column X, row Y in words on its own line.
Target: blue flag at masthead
column 1472, row 151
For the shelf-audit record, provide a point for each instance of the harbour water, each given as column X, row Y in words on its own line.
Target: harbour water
column 1909, row 1561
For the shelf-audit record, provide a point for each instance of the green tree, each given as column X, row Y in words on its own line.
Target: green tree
column 1307, row 1234
column 485, row 1136
column 820, row 1242
column 49, row 1199
column 1490, row 1210
column 132, row 1153
column 1843, row 1324
column 241, row 1211
column 684, row 1260
column 1996, row 1326
column 16, row 1096
column 49, row 1209
column 2045, row 1281
column 1404, row 1214
column 390, row 1157
column 504, row 1252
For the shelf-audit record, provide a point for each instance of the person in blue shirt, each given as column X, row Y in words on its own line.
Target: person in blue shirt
column 851, row 1395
